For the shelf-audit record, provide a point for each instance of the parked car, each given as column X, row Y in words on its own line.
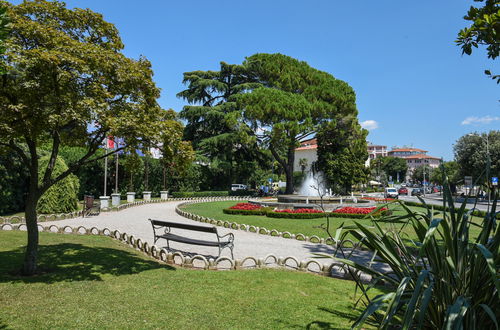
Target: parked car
column 417, row 192
column 403, row 191
column 238, row 186
column 391, row 193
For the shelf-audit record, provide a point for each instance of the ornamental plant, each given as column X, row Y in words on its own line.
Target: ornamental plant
column 245, row 206
column 294, row 211
column 359, row 210
column 442, row 280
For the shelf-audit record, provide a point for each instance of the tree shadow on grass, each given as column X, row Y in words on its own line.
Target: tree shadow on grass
column 328, row 325
column 74, row 262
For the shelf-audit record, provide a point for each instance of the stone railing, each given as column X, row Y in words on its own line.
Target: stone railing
column 71, row 215
column 162, row 255
column 346, row 243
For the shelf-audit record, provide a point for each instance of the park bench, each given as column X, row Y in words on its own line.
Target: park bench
column 90, row 207
column 169, row 236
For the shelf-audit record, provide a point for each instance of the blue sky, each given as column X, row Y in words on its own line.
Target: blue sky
column 399, row 56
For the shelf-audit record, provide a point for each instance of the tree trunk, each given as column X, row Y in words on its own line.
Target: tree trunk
column 31, row 256
column 289, row 170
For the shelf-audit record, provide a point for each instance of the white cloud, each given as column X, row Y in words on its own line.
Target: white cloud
column 369, row 124
column 479, row 120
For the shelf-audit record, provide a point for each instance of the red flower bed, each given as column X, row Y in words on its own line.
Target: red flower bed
column 378, row 199
column 299, row 211
column 245, row 206
column 358, row 210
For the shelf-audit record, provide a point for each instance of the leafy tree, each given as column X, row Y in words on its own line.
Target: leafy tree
column 66, row 73
column 4, row 33
column 418, row 173
column 213, row 124
column 391, row 166
column 292, row 101
column 342, row 153
column 472, row 157
column 177, row 155
column 451, row 169
column 132, row 165
column 484, row 30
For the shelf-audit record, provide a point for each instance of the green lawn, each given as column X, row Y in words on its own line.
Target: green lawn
column 95, row 282
column 305, row 226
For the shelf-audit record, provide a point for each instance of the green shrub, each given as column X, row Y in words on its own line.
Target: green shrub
column 241, row 193
column 261, row 211
column 273, row 214
column 13, row 183
column 187, row 194
column 61, row 197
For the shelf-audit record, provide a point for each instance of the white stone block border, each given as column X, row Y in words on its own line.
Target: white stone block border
column 76, row 214
column 161, row 255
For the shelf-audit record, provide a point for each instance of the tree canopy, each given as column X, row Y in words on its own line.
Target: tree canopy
column 342, row 153
column 67, row 83
column 391, row 166
column 483, row 31
column 4, row 32
column 214, row 126
column 472, row 157
column 292, row 102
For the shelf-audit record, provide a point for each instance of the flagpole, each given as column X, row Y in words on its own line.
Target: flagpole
column 106, row 167
column 116, row 174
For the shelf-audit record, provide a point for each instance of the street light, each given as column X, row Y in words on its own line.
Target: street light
column 488, row 162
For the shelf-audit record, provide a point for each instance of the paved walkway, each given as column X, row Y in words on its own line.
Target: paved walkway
column 134, row 221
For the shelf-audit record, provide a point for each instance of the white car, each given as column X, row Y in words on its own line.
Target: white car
column 391, row 193
column 237, row 186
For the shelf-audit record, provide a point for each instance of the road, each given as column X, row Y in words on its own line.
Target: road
column 437, row 199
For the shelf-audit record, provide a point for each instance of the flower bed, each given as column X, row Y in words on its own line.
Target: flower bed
column 299, row 211
column 247, row 209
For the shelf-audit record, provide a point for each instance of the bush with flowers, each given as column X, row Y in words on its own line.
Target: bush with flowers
column 301, row 213
column 247, row 209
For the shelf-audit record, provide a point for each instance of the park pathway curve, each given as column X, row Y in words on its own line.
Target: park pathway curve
column 134, row 221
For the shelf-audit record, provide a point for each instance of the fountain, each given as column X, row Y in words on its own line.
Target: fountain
column 313, row 194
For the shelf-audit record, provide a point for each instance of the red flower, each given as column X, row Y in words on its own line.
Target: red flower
column 299, row 211
column 246, row 206
column 377, row 199
column 358, row 210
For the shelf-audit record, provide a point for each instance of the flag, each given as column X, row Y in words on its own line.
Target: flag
column 110, row 143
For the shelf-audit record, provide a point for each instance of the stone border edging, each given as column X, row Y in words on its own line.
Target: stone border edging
column 335, row 269
column 71, row 215
column 260, row 230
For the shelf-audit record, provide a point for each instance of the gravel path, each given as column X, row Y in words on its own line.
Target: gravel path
column 134, row 221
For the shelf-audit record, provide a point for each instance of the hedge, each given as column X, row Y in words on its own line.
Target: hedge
column 273, row 214
column 185, row 194
column 61, row 197
column 477, row 213
column 261, row 211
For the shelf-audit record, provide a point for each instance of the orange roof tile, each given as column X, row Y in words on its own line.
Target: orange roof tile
column 307, row 147
column 421, row 156
column 408, row 149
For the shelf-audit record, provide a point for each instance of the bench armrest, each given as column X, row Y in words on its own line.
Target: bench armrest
column 231, row 237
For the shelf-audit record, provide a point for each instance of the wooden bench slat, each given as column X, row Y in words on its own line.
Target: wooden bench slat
column 227, row 242
column 184, row 226
column 187, row 240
